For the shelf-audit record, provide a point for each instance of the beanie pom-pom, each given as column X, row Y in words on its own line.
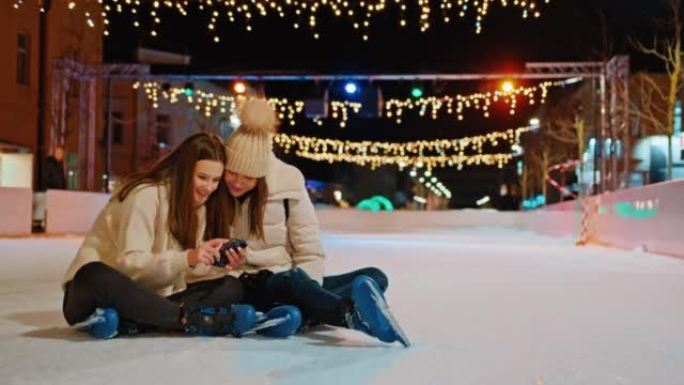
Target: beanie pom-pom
column 257, row 117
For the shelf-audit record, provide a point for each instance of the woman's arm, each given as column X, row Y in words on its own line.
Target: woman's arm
column 304, row 235
column 138, row 226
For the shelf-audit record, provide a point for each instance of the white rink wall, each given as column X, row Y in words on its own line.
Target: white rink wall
column 72, row 211
column 650, row 217
column 15, row 210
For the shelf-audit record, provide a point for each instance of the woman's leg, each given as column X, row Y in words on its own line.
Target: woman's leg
column 341, row 284
column 295, row 287
column 222, row 292
column 97, row 285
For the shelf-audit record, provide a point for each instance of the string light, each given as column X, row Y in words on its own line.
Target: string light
column 456, row 105
column 418, row 154
column 299, row 13
column 432, row 183
column 375, row 161
column 340, row 111
column 211, row 103
column 240, row 87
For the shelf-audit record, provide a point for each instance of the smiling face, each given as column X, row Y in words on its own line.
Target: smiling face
column 239, row 184
column 205, row 179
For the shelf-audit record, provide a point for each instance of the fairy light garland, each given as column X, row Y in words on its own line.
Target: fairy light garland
column 375, row 161
column 340, row 110
column 418, row 154
column 431, row 182
column 456, row 105
column 473, row 143
column 210, row 103
column 304, row 13
column 207, row 102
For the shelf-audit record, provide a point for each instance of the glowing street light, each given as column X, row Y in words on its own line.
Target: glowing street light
column 507, row 86
column 239, row 87
column 351, row 88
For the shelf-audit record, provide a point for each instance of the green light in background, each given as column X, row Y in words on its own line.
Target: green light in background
column 628, row 211
column 375, row 204
column 368, row 205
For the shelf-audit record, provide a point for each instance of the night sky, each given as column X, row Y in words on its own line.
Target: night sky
column 568, row 30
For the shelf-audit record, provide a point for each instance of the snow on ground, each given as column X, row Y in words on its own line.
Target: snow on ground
column 481, row 305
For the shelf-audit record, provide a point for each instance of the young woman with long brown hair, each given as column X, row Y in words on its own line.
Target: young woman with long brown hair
column 131, row 271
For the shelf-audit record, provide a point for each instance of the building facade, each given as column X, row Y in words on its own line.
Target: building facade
column 24, row 41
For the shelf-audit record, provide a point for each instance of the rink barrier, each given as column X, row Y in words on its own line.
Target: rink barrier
column 15, row 210
column 563, row 223
column 70, row 211
column 356, row 220
column 649, row 218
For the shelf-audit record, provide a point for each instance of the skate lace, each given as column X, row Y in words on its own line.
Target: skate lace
column 353, row 317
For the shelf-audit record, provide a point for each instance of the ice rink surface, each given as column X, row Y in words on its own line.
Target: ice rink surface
column 481, row 306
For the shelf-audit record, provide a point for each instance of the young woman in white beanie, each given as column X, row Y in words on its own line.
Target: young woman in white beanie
column 131, row 270
column 284, row 263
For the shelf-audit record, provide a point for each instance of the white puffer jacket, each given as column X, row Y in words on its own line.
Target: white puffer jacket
column 133, row 237
column 288, row 242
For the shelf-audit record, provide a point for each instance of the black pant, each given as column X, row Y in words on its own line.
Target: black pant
column 97, row 285
column 318, row 304
column 341, row 284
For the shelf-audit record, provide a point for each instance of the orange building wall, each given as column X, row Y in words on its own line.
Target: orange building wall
column 68, row 36
column 18, row 103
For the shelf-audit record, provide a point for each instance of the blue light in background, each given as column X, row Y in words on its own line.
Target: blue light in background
column 351, row 88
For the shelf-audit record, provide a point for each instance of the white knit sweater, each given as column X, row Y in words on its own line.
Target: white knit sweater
column 133, row 237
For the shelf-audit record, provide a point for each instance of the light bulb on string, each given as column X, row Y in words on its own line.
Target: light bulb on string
column 358, row 14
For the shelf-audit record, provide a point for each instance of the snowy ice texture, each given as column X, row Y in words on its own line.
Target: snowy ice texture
column 481, row 306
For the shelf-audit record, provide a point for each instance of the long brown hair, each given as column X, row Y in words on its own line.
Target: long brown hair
column 256, row 210
column 177, row 169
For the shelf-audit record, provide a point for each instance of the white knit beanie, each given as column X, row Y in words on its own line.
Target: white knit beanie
column 250, row 146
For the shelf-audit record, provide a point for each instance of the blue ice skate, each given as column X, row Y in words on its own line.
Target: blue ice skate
column 280, row 322
column 103, row 324
column 235, row 320
column 372, row 315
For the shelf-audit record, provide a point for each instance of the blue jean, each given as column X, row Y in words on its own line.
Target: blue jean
column 341, row 284
column 318, row 303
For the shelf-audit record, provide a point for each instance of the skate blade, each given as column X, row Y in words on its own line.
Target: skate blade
column 384, row 308
column 90, row 321
column 268, row 324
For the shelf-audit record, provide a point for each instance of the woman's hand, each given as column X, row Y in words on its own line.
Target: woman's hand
column 235, row 258
column 206, row 253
